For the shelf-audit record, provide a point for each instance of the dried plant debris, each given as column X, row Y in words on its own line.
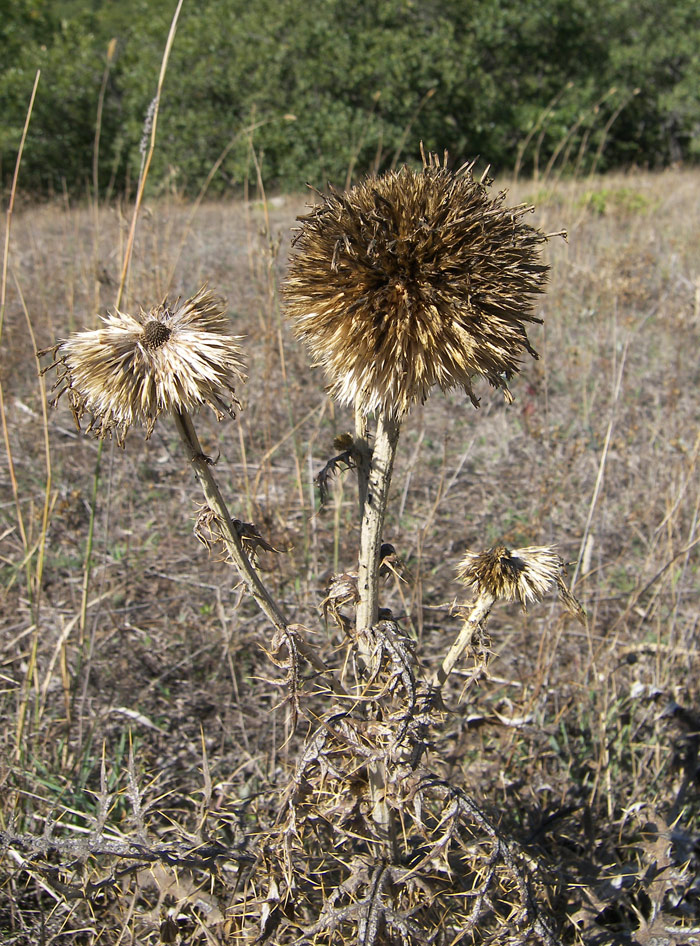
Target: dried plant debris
column 342, row 589
column 327, row 875
column 251, row 539
column 207, row 530
column 283, row 653
column 649, row 897
column 452, row 876
column 392, row 663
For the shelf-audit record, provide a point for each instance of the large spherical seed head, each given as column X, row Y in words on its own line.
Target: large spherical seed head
column 413, row 279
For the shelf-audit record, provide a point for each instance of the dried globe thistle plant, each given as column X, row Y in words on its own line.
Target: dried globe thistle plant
column 410, row 280
column 414, row 279
column 169, row 358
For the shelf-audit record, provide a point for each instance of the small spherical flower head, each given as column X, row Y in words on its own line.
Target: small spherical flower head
column 414, row 279
column 171, row 358
column 523, row 575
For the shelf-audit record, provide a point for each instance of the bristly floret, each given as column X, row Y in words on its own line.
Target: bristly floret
column 169, row 358
column 414, row 279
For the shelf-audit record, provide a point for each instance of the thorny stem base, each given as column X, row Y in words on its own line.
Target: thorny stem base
column 374, row 480
column 234, row 547
column 379, row 480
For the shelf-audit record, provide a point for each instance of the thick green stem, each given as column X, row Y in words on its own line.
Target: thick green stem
column 381, row 466
column 234, row 546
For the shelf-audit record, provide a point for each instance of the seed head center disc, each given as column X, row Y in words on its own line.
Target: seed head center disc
column 155, row 334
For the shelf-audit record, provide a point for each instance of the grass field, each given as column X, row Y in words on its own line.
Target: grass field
column 153, row 713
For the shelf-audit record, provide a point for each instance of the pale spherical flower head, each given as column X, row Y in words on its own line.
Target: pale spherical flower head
column 523, row 575
column 170, row 358
column 414, row 279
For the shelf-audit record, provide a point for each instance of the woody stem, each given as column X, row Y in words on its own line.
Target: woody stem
column 374, row 481
column 374, row 509
column 234, row 546
column 478, row 613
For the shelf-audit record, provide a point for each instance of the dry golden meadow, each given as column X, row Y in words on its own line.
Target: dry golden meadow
column 153, row 716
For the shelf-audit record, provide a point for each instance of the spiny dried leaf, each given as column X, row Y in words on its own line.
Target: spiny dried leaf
column 343, row 461
column 251, row 539
column 394, row 662
column 342, row 588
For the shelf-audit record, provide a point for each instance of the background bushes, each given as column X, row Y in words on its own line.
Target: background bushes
column 337, row 88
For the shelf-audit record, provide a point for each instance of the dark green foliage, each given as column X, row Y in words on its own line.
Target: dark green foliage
column 337, row 88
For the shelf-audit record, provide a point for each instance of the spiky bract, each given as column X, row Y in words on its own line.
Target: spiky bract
column 172, row 357
column 414, row 279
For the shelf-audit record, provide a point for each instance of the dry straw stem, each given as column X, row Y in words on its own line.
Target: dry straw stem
column 111, row 49
column 414, row 279
column 167, row 359
column 33, row 584
column 148, row 157
column 187, row 227
column 11, row 205
column 477, row 615
column 3, row 296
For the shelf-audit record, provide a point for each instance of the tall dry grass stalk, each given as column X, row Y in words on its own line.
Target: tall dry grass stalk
column 30, row 546
column 150, row 132
column 3, row 298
